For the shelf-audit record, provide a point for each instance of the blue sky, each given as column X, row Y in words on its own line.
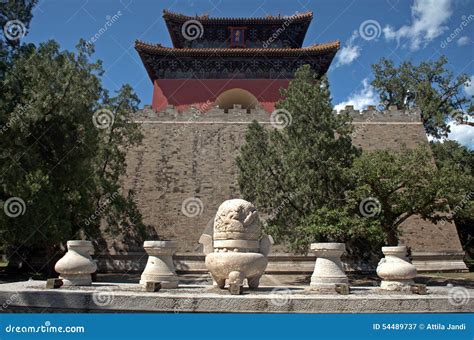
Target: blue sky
column 368, row 30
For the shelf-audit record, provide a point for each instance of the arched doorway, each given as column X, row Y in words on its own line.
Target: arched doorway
column 229, row 98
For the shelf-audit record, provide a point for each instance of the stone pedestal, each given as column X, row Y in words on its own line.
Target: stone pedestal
column 160, row 267
column 395, row 270
column 76, row 266
column 328, row 270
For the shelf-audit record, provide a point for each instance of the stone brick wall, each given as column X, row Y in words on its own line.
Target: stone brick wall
column 191, row 154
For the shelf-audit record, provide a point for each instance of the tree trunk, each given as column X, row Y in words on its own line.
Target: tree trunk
column 392, row 239
column 52, row 258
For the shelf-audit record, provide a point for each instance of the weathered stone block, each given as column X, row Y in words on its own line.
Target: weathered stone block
column 54, row 283
column 152, row 286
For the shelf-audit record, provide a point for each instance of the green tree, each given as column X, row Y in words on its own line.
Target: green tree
column 295, row 172
column 19, row 10
column 430, row 86
column 63, row 147
column 394, row 186
column 341, row 224
column 451, row 154
column 18, row 14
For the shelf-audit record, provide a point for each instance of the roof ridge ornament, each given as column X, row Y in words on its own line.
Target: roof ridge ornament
column 207, row 16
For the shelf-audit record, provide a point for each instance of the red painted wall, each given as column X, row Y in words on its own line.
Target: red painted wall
column 185, row 92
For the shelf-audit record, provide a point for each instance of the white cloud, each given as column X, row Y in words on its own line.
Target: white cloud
column 463, row 41
column 470, row 89
column 428, row 22
column 360, row 99
column 463, row 134
column 348, row 53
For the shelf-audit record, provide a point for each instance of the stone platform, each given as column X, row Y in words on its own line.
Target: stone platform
column 32, row 296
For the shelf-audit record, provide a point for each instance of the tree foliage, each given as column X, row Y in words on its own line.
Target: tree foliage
column 294, row 172
column 21, row 10
column 452, row 155
column 62, row 147
column 313, row 184
column 404, row 184
column 430, row 86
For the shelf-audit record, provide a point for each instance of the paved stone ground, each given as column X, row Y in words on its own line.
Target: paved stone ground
column 32, row 296
column 434, row 279
column 357, row 280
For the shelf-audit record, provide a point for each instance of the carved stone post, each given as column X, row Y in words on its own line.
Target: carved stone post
column 160, row 267
column 395, row 270
column 328, row 270
column 76, row 266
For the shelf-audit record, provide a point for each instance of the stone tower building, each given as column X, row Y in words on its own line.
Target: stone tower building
column 221, row 74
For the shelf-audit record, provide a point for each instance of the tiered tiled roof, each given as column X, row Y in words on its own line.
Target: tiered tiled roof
column 271, row 48
column 157, row 49
column 295, row 26
column 269, row 19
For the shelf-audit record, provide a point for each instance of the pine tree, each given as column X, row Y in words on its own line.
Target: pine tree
column 297, row 167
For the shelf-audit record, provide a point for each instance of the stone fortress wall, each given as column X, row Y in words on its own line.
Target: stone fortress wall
column 191, row 154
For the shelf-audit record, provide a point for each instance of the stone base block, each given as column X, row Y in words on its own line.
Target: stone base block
column 340, row 288
column 419, row 289
column 402, row 285
column 54, row 283
column 166, row 282
column 327, row 282
column 152, row 286
column 76, row 280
